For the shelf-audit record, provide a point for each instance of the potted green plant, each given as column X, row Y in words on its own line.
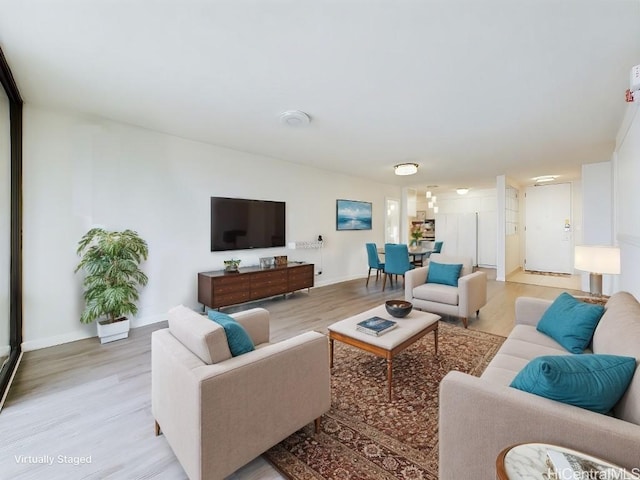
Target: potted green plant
column 111, row 261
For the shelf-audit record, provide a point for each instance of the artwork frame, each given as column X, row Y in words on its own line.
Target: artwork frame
column 421, row 215
column 353, row 215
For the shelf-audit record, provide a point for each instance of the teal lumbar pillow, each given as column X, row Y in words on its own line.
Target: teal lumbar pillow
column 237, row 337
column 591, row 381
column 570, row 322
column 444, row 273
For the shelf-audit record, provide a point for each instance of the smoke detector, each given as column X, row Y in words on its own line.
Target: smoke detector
column 294, row 118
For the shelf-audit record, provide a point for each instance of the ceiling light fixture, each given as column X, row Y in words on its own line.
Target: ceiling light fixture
column 406, row 168
column 545, row 178
column 462, row 191
column 294, row 118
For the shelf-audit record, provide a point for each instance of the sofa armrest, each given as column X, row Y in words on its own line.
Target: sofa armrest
column 478, row 419
column 412, row 279
column 472, row 292
column 529, row 310
column 256, row 322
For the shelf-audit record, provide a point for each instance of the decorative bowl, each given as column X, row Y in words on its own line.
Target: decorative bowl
column 398, row 308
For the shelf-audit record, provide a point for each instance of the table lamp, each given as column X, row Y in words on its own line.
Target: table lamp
column 596, row 260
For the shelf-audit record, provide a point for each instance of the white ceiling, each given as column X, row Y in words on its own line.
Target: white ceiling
column 469, row 89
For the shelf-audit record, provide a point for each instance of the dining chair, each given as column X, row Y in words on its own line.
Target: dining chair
column 437, row 247
column 396, row 261
column 374, row 261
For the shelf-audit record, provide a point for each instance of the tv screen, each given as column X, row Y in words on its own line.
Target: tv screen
column 238, row 224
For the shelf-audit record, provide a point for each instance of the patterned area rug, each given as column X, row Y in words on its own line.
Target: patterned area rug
column 364, row 436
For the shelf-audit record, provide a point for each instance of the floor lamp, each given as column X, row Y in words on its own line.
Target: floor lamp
column 597, row 260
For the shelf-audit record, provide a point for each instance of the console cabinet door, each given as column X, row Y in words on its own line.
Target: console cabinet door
column 300, row 277
column 268, row 283
column 230, row 290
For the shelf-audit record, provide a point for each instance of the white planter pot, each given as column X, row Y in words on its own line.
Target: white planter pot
column 110, row 332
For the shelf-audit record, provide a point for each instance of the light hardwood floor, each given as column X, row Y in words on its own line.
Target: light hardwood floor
column 86, row 402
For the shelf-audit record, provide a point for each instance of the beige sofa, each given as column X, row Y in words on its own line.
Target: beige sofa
column 218, row 412
column 481, row 416
column 462, row 301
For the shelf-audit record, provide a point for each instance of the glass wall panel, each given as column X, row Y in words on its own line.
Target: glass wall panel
column 5, row 226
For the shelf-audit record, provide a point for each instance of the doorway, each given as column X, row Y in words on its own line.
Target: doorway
column 392, row 220
column 548, row 229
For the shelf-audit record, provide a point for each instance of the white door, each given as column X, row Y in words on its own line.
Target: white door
column 392, row 221
column 548, row 240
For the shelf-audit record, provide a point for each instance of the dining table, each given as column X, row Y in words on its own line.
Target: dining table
column 417, row 254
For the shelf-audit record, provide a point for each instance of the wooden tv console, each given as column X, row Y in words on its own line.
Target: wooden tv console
column 219, row 288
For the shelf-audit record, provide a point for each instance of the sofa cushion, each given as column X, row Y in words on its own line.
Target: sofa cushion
column 435, row 292
column 203, row 337
column 523, row 344
column 444, row 273
column 618, row 333
column 594, row 382
column 571, row 322
column 237, row 337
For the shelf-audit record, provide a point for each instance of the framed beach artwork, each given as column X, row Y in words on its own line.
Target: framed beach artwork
column 353, row 215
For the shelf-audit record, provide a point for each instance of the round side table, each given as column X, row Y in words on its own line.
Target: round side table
column 530, row 461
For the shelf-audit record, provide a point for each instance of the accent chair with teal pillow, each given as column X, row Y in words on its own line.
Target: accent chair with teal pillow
column 444, row 273
column 591, row 381
column 447, row 286
column 571, row 322
column 237, row 337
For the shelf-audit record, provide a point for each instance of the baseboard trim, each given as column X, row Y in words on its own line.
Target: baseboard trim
column 148, row 320
column 79, row 335
column 53, row 341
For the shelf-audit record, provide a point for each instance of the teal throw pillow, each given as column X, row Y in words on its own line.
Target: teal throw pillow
column 591, row 381
column 237, row 337
column 444, row 273
column 570, row 322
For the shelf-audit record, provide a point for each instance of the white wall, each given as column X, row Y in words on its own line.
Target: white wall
column 597, row 207
column 81, row 172
column 597, row 203
column 627, row 201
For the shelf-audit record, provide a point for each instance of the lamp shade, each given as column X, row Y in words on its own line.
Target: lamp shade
column 597, row 259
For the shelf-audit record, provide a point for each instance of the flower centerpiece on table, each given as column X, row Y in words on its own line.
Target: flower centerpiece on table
column 416, row 234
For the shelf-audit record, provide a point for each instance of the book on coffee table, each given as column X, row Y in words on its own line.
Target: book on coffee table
column 376, row 326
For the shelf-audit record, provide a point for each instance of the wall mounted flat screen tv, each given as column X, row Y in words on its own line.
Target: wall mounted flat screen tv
column 238, row 224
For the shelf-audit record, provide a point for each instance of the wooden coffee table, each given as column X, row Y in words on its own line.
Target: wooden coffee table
column 410, row 329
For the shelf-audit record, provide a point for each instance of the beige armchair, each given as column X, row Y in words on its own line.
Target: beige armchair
column 462, row 301
column 218, row 412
